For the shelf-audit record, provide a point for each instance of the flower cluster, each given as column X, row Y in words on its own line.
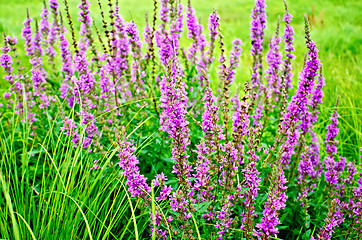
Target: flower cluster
column 231, row 156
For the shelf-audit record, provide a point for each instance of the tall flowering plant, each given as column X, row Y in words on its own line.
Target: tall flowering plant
column 200, row 163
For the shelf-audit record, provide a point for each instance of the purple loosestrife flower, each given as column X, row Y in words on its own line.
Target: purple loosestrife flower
column 274, row 59
column 334, row 219
column 128, row 162
column 332, row 132
column 202, row 174
column 334, row 168
column 164, row 13
column 227, row 75
column 289, row 49
column 105, row 82
column 234, row 60
column 38, row 74
column 309, row 167
column 166, row 49
column 314, row 101
column 228, row 166
column 252, row 183
column 174, row 102
column 195, row 32
column 134, row 40
column 311, row 116
column 223, row 220
column 38, row 77
column 310, row 164
column 120, row 66
column 159, row 180
column 108, row 74
column 176, row 28
column 240, row 122
column 210, row 127
column 165, row 194
column 44, row 26
column 37, row 40
column 85, row 25
column 53, row 5
column 27, row 36
column 67, row 67
column 199, row 43
column 331, row 149
column 148, row 38
column 212, row 130
column 165, row 190
column 11, row 40
column 276, row 202
column 6, row 61
column 257, row 26
column 155, row 222
column 174, row 122
column 224, row 164
column 70, row 128
column 298, row 106
column 84, row 82
column 54, row 29
column 356, row 207
column 88, row 120
column 240, row 117
column 213, row 24
column 213, row 135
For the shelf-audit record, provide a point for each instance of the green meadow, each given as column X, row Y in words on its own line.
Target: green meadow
column 55, row 195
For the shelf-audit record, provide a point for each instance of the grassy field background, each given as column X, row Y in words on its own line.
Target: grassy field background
column 336, row 27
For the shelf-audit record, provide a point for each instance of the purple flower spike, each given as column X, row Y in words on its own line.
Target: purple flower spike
column 310, row 165
column 66, row 87
column 234, row 60
column 195, row 32
column 297, row 109
column 136, row 45
column 276, row 202
column 332, row 172
column 85, row 26
column 289, row 49
column 54, row 29
column 128, row 162
column 6, row 61
column 27, row 36
column 214, row 24
column 44, row 26
column 164, row 12
column 334, row 219
column 257, row 26
column 274, row 59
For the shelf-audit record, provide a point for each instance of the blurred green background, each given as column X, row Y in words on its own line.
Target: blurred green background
column 336, row 27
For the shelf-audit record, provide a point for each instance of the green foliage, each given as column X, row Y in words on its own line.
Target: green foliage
column 50, row 190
